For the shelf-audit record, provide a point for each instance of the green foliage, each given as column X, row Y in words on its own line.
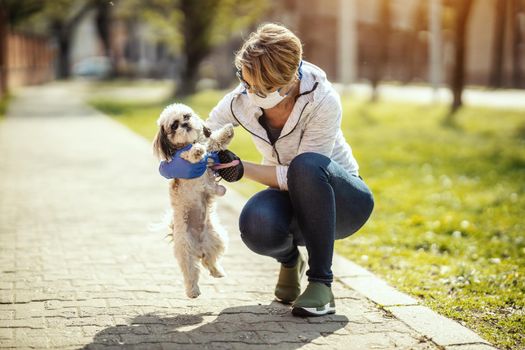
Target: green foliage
column 19, row 10
column 447, row 226
column 168, row 20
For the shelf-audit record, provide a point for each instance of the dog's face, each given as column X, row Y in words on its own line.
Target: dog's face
column 178, row 126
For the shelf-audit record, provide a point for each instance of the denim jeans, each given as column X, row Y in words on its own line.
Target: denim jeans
column 323, row 203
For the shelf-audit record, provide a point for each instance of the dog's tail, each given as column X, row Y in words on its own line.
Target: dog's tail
column 164, row 225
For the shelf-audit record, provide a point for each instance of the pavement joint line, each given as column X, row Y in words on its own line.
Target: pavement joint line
column 359, row 316
column 381, row 287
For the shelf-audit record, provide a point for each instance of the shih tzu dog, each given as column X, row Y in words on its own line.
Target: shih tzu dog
column 197, row 234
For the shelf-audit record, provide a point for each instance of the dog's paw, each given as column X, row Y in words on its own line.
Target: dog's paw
column 228, row 131
column 217, row 271
column 220, row 190
column 197, row 151
column 193, row 292
column 195, row 154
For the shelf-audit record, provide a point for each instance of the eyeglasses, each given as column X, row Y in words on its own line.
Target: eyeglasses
column 247, row 86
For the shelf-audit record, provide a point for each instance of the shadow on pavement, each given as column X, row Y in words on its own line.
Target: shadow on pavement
column 234, row 327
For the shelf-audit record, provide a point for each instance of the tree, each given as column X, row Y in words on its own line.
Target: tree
column 11, row 13
column 500, row 16
column 103, row 25
column 192, row 28
column 462, row 8
column 518, row 9
column 382, row 33
column 63, row 17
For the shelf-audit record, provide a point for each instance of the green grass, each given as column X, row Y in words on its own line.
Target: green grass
column 3, row 105
column 447, row 227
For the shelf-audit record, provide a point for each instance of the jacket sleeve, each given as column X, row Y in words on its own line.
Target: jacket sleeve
column 221, row 114
column 319, row 134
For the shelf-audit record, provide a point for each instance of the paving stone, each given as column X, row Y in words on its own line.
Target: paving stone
column 83, row 271
column 6, row 333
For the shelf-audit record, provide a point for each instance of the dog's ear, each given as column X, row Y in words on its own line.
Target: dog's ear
column 161, row 145
column 206, row 131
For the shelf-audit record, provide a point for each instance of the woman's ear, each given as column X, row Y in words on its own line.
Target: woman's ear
column 161, row 145
column 206, row 131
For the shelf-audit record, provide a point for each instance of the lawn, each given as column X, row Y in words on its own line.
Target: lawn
column 447, row 227
column 3, row 105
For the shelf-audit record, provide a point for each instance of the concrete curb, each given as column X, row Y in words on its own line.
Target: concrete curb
column 443, row 331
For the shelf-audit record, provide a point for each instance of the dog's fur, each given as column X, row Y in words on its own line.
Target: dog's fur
column 197, row 235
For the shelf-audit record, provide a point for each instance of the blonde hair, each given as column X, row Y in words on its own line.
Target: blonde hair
column 271, row 55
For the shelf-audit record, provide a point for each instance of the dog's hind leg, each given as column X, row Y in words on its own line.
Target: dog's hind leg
column 211, row 262
column 214, row 245
column 189, row 266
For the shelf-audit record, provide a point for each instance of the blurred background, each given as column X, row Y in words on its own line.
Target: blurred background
column 433, row 96
column 433, row 42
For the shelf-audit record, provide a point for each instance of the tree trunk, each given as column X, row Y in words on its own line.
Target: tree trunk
column 382, row 31
column 63, row 32
column 458, row 72
column 498, row 42
column 103, row 24
column 63, row 38
column 517, row 10
column 196, row 28
column 189, row 77
column 3, row 51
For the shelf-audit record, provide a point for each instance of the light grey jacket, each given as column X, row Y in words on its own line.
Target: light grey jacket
column 314, row 125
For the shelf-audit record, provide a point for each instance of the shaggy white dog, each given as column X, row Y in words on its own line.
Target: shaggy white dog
column 197, row 234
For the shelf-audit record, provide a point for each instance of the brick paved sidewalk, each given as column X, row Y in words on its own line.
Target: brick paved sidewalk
column 79, row 267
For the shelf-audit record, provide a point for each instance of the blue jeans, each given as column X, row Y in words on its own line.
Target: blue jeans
column 323, row 203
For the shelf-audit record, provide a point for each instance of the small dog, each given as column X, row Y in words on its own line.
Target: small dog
column 197, row 235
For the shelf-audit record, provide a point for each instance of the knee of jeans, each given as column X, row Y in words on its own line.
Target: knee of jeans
column 307, row 168
column 259, row 231
column 370, row 202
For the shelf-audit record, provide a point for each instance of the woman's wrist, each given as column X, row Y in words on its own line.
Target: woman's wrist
column 264, row 174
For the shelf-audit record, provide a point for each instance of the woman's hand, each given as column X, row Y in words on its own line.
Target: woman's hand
column 227, row 165
column 180, row 168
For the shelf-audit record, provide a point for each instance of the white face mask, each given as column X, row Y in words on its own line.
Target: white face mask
column 271, row 100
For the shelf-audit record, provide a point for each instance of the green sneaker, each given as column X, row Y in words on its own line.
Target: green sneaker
column 288, row 286
column 316, row 300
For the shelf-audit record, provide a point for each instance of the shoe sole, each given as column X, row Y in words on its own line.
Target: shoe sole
column 301, row 274
column 314, row 311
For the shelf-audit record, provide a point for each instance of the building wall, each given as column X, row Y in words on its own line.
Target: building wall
column 316, row 23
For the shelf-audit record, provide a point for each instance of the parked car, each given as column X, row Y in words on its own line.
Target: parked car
column 95, row 66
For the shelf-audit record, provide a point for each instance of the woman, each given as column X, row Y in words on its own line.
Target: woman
column 315, row 193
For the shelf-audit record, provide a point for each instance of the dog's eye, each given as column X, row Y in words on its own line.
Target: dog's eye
column 187, row 116
column 175, row 125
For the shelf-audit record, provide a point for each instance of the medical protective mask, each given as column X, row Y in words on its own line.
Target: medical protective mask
column 271, row 100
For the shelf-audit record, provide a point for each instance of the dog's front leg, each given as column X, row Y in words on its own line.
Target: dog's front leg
column 194, row 154
column 220, row 139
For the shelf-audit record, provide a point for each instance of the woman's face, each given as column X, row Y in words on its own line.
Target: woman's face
column 251, row 87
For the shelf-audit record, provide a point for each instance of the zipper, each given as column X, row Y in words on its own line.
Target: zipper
column 238, row 121
column 274, row 149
